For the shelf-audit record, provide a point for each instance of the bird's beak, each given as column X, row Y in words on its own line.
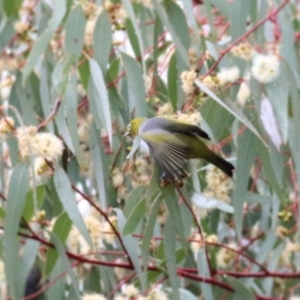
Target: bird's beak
column 126, row 133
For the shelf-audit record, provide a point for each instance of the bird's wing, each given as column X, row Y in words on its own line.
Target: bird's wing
column 175, row 126
column 168, row 152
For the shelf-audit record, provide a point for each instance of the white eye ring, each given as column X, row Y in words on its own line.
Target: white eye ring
column 129, row 127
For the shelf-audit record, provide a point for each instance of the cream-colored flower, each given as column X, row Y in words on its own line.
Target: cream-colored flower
column 93, row 225
column 91, row 9
column 243, row 50
column 25, row 137
column 21, row 27
column 286, row 255
column 265, row 68
column 120, row 297
column 281, row 231
column 77, row 244
column 146, row 3
column 122, row 193
column 210, row 82
column 243, row 94
column 119, row 271
column 86, row 164
column 6, row 125
column 116, row 12
column 93, row 297
column 6, row 82
column 197, row 243
column 42, row 167
column 165, row 110
column 188, row 78
column 193, row 58
column 228, row 75
column 130, row 290
column 212, row 238
column 108, row 233
column 117, row 177
column 89, row 32
column 3, row 283
column 226, row 257
column 47, row 145
column 193, row 118
column 218, row 184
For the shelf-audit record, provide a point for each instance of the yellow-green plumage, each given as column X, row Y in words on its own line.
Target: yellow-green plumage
column 172, row 143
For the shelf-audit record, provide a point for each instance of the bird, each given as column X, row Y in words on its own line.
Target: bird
column 33, row 282
column 172, row 143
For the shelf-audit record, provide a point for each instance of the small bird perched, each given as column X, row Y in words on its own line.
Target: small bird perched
column 172, row 143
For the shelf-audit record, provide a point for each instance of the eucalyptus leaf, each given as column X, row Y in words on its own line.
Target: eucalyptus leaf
column 43, row 40
column 66, row 196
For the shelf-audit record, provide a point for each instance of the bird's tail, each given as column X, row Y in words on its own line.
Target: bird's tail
column 221, row 163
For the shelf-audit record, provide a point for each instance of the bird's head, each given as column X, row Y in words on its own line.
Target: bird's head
column 134, row 126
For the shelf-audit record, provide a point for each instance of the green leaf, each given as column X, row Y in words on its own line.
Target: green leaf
column 132, row 199
column 240, row 290
column 11, row 7
column 102, row 40
column 61, row 122
column 98, row 158
column 133, row 38
column 75, row 29
column 278, row 93
column 6, row 32
column 171, row 201
column 148, row 232
column 170, row 246
column 135, row 217
column 57, row 289
column 288, row 50
column 136, row 88
column 65, row 262
column 231, row 107
column 132, row 247
column 26, row 102
column 187, row 295
column 268, row 283
column 70, row 108
column 129, row 9
column 43, row 40
column 238, row 13
column 269, row 170
column 45, row 95
column 172, row 81
column 178, row 22
column 203, row 270
column 246, row 151
column 26, row 262
column 66, row 196
column 265, row 248
column 61, row 229
column 163, row 15
column 29, row 202
column 100, row 99
column 84, row 72
column 61, row 73
column 18, row 187
column 2, row 213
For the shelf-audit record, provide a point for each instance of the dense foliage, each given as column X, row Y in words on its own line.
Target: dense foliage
column 82, row 216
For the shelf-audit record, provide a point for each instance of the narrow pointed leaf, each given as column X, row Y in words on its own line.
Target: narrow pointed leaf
column 19, row 184
column 43, row 40
column 66, row 196
column 100, row 99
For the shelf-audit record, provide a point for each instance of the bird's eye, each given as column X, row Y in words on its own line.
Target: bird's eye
column 129, row 127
